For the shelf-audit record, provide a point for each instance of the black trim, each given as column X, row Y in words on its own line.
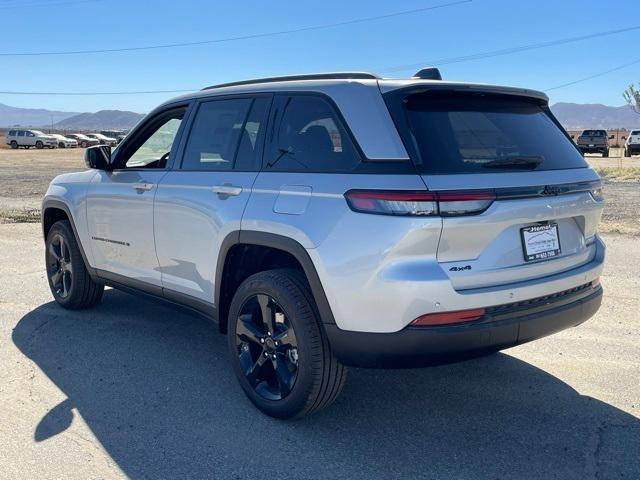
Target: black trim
column 423, row 346
column 294, row 78
column 57, row 204
column 279, row 242
column 160, row 294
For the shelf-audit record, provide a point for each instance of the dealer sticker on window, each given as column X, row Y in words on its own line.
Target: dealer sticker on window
column 540, row 242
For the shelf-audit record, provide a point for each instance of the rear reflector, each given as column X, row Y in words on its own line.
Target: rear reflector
column 448, row 318
column 403, row 203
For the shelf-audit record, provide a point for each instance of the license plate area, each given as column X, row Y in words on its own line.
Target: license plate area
column 540, row 242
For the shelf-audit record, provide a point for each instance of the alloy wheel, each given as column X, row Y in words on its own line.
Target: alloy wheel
column 59, row 266
column 267, row 347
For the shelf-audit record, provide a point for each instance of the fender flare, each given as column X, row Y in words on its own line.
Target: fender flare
column 286, row 244
column 60, row 205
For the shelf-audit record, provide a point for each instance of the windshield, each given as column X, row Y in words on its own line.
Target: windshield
column 485, row 133
column 37, row 132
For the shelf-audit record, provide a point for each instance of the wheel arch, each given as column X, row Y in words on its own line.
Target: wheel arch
column 56, row 210
column 274, row 245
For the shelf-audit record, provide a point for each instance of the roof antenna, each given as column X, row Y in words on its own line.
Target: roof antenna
column 430, row 73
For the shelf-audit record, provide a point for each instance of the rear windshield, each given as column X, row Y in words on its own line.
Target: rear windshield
column 485, row 133
column 635, row 132
column 594, row 133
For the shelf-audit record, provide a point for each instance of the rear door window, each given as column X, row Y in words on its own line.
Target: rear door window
column 215, row 133
column 310, row 137
column 452, row 132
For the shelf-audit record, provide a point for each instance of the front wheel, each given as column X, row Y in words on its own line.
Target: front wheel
column 605, row 154
column 14, row 144
column 39, row 145
column 278, row 350
column 83, row 144
column 71, row 285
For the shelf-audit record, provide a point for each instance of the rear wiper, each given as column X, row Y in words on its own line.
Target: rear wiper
column 523, row 162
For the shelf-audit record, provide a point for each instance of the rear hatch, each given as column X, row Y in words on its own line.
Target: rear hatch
column 634, row 137
column 532, row 203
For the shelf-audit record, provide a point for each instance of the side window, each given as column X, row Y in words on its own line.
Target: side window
column 152, row 146
column 30, row 134
column 215, row 133
column 12, row 133
column 310, row 137
column 21, row 133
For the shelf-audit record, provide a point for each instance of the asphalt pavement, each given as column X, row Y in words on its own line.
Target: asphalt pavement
column 135, row 389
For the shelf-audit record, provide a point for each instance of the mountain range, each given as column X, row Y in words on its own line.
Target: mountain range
column 573, row 116
column 38, row 117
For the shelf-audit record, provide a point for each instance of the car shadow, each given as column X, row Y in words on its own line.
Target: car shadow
column 155, row 387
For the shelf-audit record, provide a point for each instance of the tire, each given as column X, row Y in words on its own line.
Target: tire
column 61, row 145
column 39, row 145
column 605, row 154
column 83, row 144
column 27, row 147
column 14, row 144
column 311, row 375
column 69, row 280
column 627, row 152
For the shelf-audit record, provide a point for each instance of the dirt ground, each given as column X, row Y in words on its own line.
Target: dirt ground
column 25, row 175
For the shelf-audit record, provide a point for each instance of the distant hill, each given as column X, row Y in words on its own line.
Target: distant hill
column 576, row 116
column 30, row 117
column 104, row 119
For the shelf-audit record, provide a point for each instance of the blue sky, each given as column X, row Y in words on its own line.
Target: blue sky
column 463, row 29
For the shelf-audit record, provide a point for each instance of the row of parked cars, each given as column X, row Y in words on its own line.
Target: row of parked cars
column 36, row 138
column 597, row 141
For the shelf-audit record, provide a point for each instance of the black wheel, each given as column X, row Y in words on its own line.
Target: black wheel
column 61, row 145
column 14, row 144
column 39, row 145
column 70, row 283
column 605, row 154
column 83, row 144
column 627, row 152
column 278, row 350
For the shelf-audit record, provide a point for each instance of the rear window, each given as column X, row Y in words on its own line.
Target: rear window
column 635, row 132
column 594, row 133
column 485, row 133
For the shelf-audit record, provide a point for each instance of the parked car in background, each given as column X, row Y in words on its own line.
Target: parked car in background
column 594, row 141
column 103, row 139
column 64, row 142
column 83, row 140
column 30, row 138
column 632, row 145
column 339, row 219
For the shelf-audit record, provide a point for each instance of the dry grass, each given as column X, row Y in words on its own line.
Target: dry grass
column 27, row 215
column 613, row 174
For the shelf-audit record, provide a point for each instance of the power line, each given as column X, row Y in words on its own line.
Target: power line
column 240, row 37
column 441, row 62
column 600, row 74
column 507, row 51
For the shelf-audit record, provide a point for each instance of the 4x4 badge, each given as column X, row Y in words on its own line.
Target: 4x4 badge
column 460, row 269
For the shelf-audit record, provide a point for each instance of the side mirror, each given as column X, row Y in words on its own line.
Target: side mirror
column 98, row 157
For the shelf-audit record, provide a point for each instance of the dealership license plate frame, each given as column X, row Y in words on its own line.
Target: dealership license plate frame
column 534, row 253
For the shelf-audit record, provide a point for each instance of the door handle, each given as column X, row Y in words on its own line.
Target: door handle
column 227, row 189
column 143, row 186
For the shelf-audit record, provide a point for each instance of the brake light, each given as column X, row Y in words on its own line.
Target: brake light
column 448, row 318
column 403, row 203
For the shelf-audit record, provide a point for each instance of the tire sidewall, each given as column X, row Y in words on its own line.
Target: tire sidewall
column 63, row 228
column 303, row 318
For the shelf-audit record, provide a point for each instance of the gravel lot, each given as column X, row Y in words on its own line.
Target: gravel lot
column 134, row 389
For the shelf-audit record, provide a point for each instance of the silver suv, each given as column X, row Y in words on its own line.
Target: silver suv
column 339, row 219
column 30, row 138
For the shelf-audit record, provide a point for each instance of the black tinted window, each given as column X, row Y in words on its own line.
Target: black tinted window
column 21, row 133
column 215, row 133
column 311, row 138
column 12, row 132
column 251, row 136
column 467, row 133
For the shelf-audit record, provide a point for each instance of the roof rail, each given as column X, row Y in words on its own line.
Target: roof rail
column 310, row 76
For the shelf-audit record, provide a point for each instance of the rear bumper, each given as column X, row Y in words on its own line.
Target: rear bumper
column 504, row 326
column 595, row 149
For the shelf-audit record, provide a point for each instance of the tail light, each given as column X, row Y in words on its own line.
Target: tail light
column 448, row 318
column 403, row 203
column 597, row 192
